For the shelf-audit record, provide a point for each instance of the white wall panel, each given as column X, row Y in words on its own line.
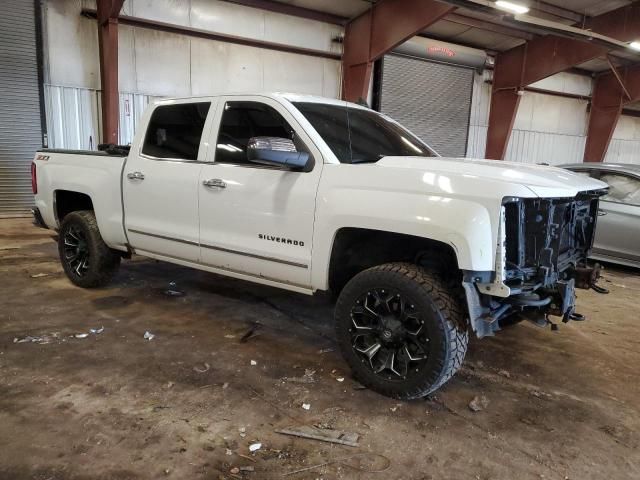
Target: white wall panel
column 331, row 78
column 71, row 45
column 227, row 18
column 301, row 32
column 162, row 63
column 566, row 83
column 126, row 59
column 167, row 11
column 295, row 73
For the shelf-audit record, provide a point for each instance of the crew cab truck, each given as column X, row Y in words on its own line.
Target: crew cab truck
column 311, row 194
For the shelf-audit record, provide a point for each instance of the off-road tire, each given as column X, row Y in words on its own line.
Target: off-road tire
column 103, row 262
column 444, row 318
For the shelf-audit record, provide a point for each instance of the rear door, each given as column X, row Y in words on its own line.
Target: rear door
column 618, row 227
column 257, row 220
column 160, row 181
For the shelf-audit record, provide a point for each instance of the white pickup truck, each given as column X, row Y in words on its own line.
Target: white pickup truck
column 311, row 194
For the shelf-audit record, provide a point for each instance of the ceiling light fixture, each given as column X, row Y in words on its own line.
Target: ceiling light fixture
column 635, row 45
column 511, row 7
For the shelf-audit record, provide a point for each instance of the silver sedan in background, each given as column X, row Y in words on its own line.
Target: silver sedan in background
column 618, row 229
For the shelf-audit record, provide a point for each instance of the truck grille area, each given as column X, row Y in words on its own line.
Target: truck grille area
column 548, row 237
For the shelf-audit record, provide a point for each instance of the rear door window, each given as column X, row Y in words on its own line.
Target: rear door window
column 174, row 131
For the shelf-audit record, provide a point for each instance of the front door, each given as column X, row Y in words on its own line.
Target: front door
column 160, row 182
column 618, row 228
column 255, row 219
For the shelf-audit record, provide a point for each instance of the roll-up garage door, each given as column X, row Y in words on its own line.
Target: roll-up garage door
column 433, row 100
column 20, row 127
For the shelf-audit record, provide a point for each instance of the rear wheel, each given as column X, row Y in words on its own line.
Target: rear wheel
column 401, row 330
column 86, row 259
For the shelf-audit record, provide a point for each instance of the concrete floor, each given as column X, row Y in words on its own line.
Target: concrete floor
column 561, row 405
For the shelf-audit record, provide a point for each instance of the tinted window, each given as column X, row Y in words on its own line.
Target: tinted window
column 622, row 188
column 174, row 131
column 244, row 120
column 356, row 135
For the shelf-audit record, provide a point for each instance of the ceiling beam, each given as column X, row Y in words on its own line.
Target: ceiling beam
column 486, row 25
column 387, row 24
column 293, row 10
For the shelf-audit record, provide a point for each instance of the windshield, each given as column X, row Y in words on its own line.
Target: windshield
column 357, row 135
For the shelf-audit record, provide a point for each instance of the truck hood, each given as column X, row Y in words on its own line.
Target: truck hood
column 543, row 181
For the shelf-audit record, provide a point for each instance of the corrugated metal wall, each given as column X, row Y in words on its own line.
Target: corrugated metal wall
column 549, row 129
column 73, row 117
column 20, row 124
column 155, row 64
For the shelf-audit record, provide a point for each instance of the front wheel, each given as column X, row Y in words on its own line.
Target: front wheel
column 401, row 330
column 86, row 259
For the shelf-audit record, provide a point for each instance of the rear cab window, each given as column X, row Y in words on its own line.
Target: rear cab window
column 175, row 131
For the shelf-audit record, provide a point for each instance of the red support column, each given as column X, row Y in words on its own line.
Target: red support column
column 379, row 30
column 108, row 11
column 609, row 96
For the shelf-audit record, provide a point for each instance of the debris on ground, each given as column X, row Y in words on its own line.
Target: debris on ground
column 478, row 403
column 202, row 369
column 308, row 377
column 81, row 335
column 39, row 275
column 97, row 331
column 372, row 457
column 41, row 340
column 325, row 350
column 540, row 394
column 243, row 432
column 173, row 291
column 254, row 447
column 228, row 452
column 253, row 363
column 251, row 332
column 234, row 471
column 148, row 336
column 504, row 373
column 323, row 435
column 247, row 469
column 229, row 336
column 340, row 379
column 306, row 406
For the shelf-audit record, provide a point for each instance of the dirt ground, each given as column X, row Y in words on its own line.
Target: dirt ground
column 188, row 403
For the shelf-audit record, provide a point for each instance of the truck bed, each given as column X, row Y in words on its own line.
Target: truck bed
column 96, row 174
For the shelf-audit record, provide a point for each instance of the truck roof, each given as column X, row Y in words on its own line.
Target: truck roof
column 291, row 97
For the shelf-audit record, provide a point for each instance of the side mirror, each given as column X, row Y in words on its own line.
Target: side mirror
column 278, row 152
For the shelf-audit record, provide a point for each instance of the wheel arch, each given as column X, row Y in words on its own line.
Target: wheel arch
column 355, row 249
column 67, row 201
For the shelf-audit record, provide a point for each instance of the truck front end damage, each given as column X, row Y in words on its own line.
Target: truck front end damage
column 541, row 258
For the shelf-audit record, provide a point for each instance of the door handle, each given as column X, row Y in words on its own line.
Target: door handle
column 214, row 183
column 135, row 176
